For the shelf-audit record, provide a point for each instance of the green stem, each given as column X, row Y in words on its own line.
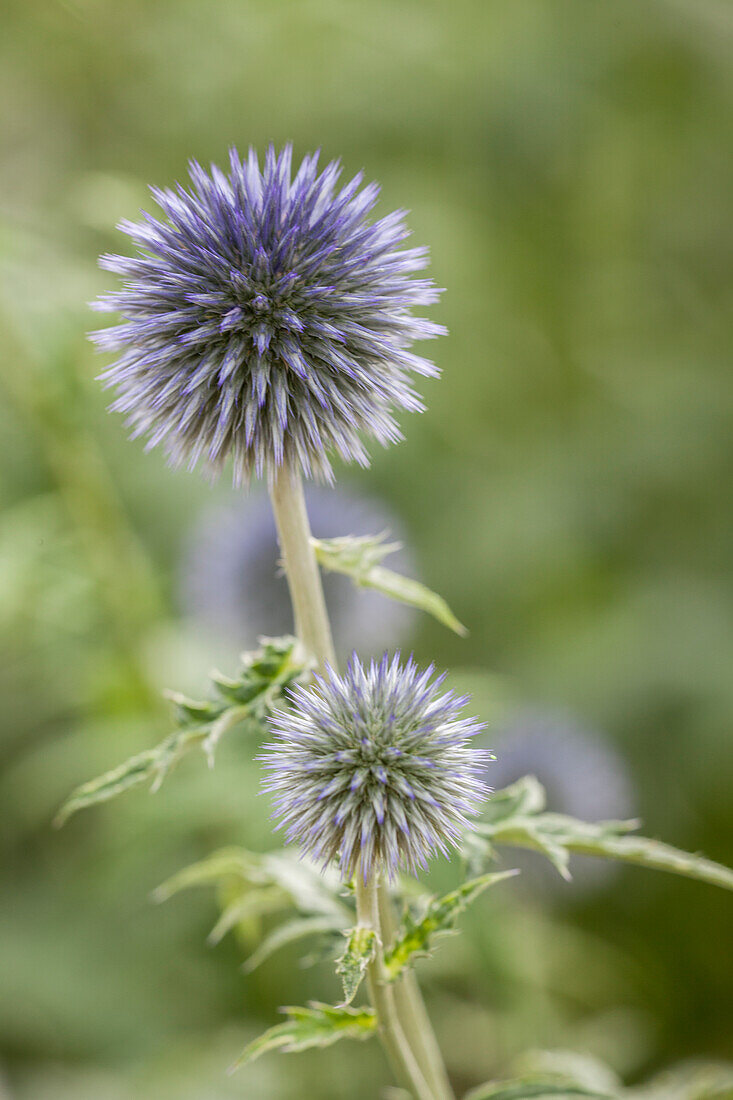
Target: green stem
column 412, row 1012
column 304, row 579
column 313, row 629
column 401, row 1057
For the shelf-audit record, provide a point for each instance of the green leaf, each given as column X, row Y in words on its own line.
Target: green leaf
column 290, row 932
column 556, row 836
column 308, row 889
column 318, row 1025
column 688, row 1082
column 414, row 937
column 556, row 1074
column 570, row 1067
column 263, row 677
column 529, row 1089
column 251, row 885
column 648, row 853
column 312, row 890
column 137, row 769
column 360, row 557
column 252, row 903
column 232, row 863
column 526, row 796
column 352, row 965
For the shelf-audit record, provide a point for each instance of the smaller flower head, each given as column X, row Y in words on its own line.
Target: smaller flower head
column 375, row 767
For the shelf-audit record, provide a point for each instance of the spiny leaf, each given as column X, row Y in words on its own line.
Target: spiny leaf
column 691, row 1082
column 312, row 889
column 236, row 863
column 534, row 1090
column 415, row 937
column 253, row 903
column 571, row 1067
column 136, row 770
column 251, row 885
column 565, row 1074
column 318, row 1025
column 352, row 965
column 360, row 557
column 290, row 932
column 557, row 835
column 264, row 675
column 650, row 853
column 556, row 853
column 526, row 796
column 308, row 889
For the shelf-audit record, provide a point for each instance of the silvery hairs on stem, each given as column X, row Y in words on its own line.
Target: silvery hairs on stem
column 267, row 319
column 230, row 589
column 375, row 765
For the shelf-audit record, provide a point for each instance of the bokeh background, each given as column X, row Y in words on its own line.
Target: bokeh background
column 568, row 491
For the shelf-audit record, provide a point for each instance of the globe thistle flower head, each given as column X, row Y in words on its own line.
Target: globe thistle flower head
column 267, row 319
column 375, row 768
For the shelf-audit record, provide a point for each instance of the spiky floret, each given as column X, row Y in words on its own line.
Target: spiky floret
column 267, row 319
column 375, row 767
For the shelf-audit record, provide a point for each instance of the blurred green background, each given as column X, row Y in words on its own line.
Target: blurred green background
column 568, row 491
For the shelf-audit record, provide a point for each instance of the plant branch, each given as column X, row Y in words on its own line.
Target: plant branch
column 412, row 1011
column 299, row 559
column 419, row 1057
column 402, row 1059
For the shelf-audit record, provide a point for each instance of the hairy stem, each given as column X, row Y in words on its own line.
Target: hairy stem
column 304, row 579
column 401, row 1057
column 417, row 1061
column 412, row 1012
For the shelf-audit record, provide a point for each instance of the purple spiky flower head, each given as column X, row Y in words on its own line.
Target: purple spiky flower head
column 268, row 319
column 375, row 768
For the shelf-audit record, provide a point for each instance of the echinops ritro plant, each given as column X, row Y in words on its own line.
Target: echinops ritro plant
column 267, row 321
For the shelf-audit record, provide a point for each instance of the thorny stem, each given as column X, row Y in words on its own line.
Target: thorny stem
column 412, row 1011
column 416, row 1062
column 299, row 559
column 402, row 1059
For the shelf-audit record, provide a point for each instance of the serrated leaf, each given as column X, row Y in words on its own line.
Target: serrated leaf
column 251, row 885
column 235, row 863
column 570, row 1067
column 534, row 1090
column 264, row 675
column 134, row 771
column 415, row 937
column 311, row 889
column 650, row 853
column 253, row 903
column 352, row 965
column 526, row 796
column 556, row 853
column 360, row 557
column 318, row 1025
column 555, row 1074
column 290, row 932
column 688, row 1082
column 556, row 836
